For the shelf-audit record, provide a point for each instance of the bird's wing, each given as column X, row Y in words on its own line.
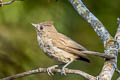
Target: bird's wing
column 63, row 42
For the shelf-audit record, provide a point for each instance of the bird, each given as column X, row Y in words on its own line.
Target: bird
column 58, row 46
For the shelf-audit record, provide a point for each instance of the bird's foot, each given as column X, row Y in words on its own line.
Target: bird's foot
column 63, row 71
column 50, row 68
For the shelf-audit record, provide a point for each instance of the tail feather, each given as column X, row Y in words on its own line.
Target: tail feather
column 84, row 59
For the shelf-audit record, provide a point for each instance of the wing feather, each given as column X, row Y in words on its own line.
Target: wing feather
column 68, row 45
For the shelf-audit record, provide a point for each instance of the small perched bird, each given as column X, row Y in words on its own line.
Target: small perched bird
column 58, row 46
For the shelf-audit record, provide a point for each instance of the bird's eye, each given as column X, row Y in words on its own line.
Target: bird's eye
column 41, row 28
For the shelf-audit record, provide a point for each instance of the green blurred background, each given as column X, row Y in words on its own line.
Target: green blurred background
column 19, row 50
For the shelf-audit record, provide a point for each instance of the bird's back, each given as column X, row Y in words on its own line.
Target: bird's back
column 65, row 43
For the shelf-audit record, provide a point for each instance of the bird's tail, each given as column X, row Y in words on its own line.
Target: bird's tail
column 84, row 58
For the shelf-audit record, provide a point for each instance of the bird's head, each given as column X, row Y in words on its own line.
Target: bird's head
column 44, row 27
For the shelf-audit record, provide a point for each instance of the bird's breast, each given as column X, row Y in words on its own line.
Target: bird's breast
column 52, row 51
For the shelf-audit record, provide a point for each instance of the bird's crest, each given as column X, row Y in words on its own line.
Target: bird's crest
column 47, row 23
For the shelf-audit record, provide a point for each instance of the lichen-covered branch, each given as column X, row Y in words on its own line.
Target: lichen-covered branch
column 91, row 19
column 109, row 65
column 118, row 29
column 44, row 70
column 117, row 36
column 111, row 45
column 107, row 70
column 118, row 78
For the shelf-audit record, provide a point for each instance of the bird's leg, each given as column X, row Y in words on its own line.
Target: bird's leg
column 50, row 68
column 63, row 68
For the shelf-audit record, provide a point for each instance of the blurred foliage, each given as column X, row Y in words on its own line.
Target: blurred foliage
column 19, row 50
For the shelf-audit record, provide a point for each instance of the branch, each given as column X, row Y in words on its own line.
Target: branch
column 44, row 70
column 110, row 45
column 117, row 36
column 91, row 19
column 103, row 55
column 118, row 78
column 118, row 29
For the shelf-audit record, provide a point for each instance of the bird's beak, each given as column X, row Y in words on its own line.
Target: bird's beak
column 35, row 25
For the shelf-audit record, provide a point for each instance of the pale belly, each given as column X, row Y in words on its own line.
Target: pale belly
column 55, row 53
column 59, row 55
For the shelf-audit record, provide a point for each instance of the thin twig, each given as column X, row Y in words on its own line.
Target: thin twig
column 44, row 70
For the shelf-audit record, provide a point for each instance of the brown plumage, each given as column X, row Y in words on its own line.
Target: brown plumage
column 57, row 45
column 63, row 42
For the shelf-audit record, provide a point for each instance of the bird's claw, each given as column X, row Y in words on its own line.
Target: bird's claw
column 63, row 71
column 50, row 68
